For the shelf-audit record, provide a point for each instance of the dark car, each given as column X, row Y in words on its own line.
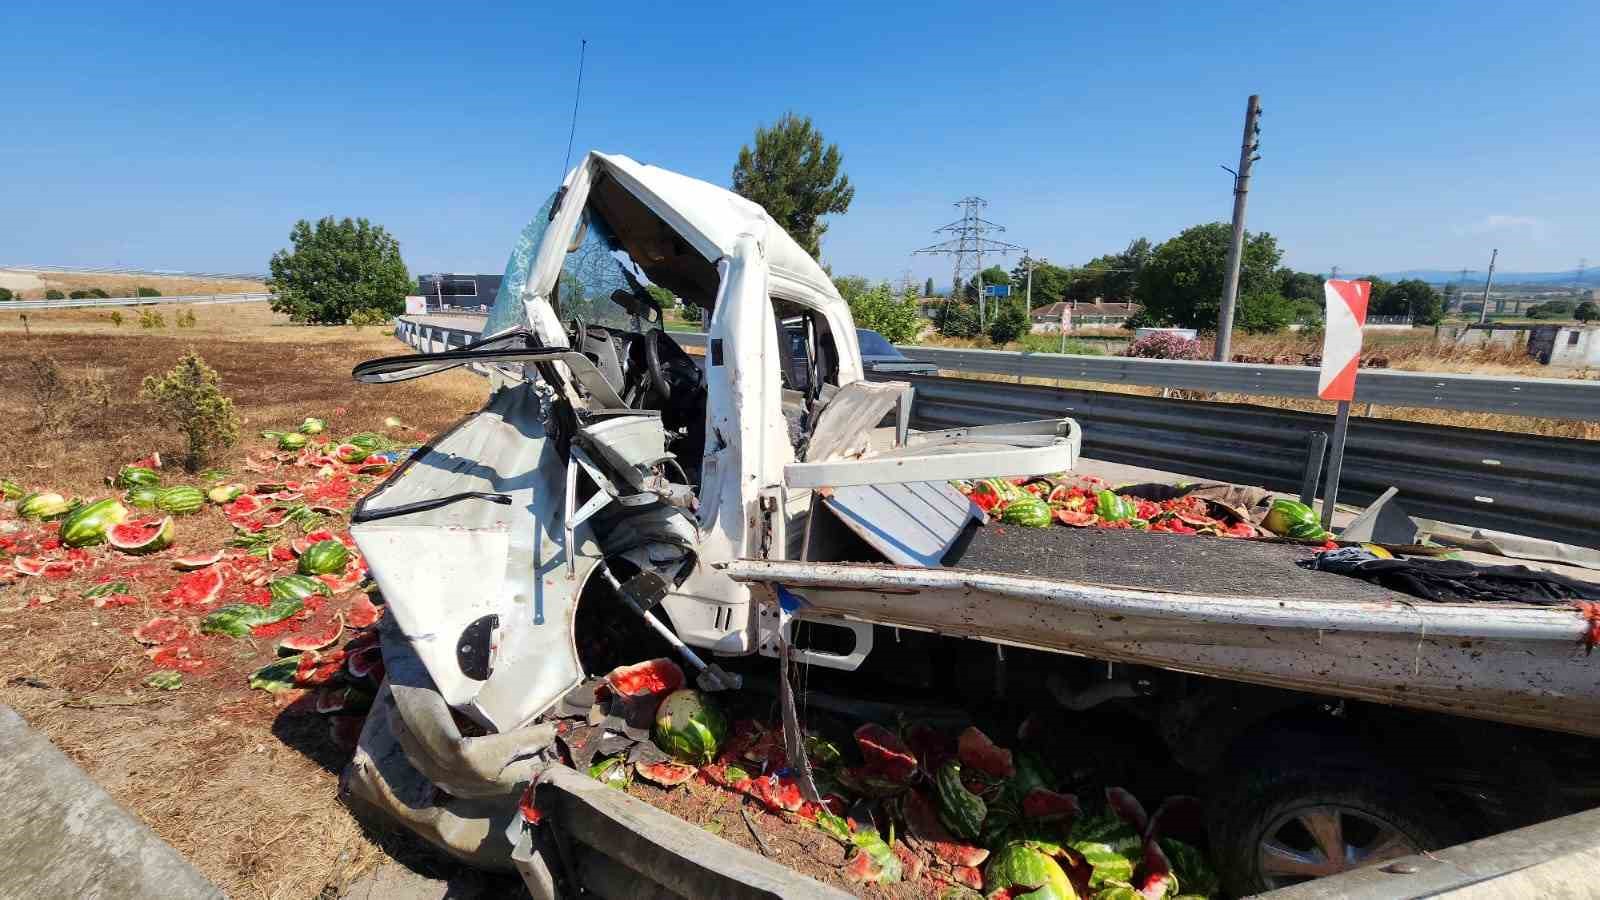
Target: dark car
column 880, row 357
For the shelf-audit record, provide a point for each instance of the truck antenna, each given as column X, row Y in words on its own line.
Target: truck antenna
column 576, row 94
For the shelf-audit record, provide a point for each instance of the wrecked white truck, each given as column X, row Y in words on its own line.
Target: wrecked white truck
column 617, row 500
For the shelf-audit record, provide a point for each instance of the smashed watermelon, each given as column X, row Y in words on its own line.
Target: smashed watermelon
column 976, row 751
column 665, row 774
column 197, row 561
column 886, row 756
column 197, row 588
column 159, row 630
column 313, row 637
column 362, row 612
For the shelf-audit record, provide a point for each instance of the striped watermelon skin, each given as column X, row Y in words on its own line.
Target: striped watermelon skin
column 87, row 525
column 137, row 476
column 143, row 497
column 324, row 558
column 689, row 727
column 42, row 505
column 181, row 500
column 295, row 587
column 961, row 810
column 10, row 490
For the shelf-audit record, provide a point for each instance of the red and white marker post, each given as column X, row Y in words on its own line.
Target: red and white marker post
column 1341, row 360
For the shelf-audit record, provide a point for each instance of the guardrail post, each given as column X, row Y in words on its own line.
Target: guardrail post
column 1316, row 448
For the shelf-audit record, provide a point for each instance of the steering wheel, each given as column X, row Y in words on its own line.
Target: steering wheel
column 666, row 365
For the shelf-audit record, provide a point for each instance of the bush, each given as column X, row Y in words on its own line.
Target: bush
column 1009, row 325
column 116, row 318
column 54, row 294
column 60, row 402
column 1263, row 313
column 146, row 292
column 957, row 320
column 5, row 294
column 98, row 294
column 79, row 295
column 1587, row 311
column 893, row 317
column 150, row 318
column 185, row 318
column 1164, row 345
column 190, row 397
column 369, row 316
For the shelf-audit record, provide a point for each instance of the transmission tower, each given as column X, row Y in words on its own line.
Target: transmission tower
column 1583, row 263
column 967, row 245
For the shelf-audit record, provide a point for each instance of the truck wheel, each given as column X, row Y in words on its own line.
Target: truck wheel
column 1271, row 829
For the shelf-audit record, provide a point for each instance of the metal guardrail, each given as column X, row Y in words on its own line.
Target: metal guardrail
column 96, row 302
column 1537, row 486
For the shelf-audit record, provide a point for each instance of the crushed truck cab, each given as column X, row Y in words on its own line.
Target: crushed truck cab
column 610, row 477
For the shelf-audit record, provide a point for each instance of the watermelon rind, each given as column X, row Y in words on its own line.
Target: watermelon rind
column 275, row 676
column 107, row 589
column 137, row 476
column 299, row 643
column 367, row 441
column 324, row 558
column 350, row 454
column 689, row 727
column 292, row 440
column 1024, row 864
column 123, row 537
column 181, row 500
column 198, row 561
column 164, row 680
column 87, row 525
column 665, row 774
column 10, row 490
column 225, row 493
column 236, row 619
column 143, row 497
column 296, row 587
column 42, row 505
column 313, row 426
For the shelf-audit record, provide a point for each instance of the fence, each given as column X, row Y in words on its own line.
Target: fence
column 109, row 302
column 1537, row 486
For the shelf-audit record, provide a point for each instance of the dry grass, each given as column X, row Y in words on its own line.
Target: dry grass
column 34, row 284
column 246, row 791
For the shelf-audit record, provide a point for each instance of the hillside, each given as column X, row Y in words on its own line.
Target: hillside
column 32, row 284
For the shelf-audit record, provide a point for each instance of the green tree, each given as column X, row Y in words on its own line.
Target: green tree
column 6, row 294
column 336, row 268
column 878, row 308
column 991, row 275
column 1263, row 313
column 1010, row 324
column 146, row 292
column 1182, row 282
column 1587, row 311
column 1412, row 297
column 190, row 397
column 794, row 178
column 957, row 319
column 53, row 294
column 1377, row 299
column 927, row 288
column 1049, row 281
column 1553, row 309
column 1299, row 285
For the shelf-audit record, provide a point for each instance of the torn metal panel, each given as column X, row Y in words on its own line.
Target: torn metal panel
column 844, row 429
column 1026, row 448
column 1519, row 665
column 913, row 524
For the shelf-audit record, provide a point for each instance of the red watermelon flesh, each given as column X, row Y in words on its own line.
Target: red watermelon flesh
column 1154, row 875
column 153, row 461
column 348, row 700
column 197, row 588
column 181, row 656
column 976, row 751
column 656, row 676
column 923, row 822
column 318, row 669
column 111, row 601
column 911, row 864
column 1075, row 518
column 314, row 637
column 349, row 581
column 1128, row 808
column 665, row 774
column 361, row 662
column 29, row 565
column 885, row 754
column 775, row 793
column 158, row 631
column 243, row 506
column 861, row 869
column 197, row 561
column 1048, row 806
column 361, row 612
column 968, row 876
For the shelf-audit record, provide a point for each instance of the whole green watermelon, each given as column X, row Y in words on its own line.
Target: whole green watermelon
column 689, row 727
column 295, row 587
column 1029, row 512
column 10, row 490
column 87, row 525
column 1025, row 865
column 366, row 440
column 42, row 505
column 324, row 558
column 143, row 497
column 137, row 476
column 181, row 500
column 291, row 440
column 1294, row 519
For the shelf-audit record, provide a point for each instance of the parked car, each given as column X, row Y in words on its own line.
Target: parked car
column 880, row 357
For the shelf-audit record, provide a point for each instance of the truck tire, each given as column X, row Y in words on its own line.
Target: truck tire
column 1277, row 826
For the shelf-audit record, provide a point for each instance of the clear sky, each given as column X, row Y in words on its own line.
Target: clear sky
column 1396, row 135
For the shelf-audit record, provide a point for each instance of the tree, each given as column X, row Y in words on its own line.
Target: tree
column 6, row 294
column 1553, row 309
column 894, row 317
column 1378, row 298
column 1263, row 313
column 1299, row 285
column 1011, row 323
column 794, row 178
column 1412, row 297
column 927, row 288
column 146, row 292
column 957, row 318
column 1587, row 311
column 991, row 275
column 53, row 294
column 1181, row 284
column 336, row 268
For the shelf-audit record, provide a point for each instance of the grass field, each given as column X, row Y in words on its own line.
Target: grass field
column 31, row 285
column 245, row 791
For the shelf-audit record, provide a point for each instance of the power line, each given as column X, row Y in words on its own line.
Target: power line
column 576, row 94
column 968, row 246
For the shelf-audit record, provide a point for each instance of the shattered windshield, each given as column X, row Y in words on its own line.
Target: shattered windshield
column 598, row 268
column 508, row 311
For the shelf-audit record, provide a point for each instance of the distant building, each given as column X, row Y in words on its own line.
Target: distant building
column 468, row 292
column 1098, row 314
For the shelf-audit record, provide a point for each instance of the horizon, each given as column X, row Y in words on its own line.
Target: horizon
column 447, row 128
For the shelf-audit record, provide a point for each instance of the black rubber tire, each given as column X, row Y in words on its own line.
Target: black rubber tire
column 1240, row 807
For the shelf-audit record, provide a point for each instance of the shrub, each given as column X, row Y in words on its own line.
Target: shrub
column 190, row 397
column 1263, row 313
column 1164, row 345
column 116, row 318
column 369, row 316
column 1009, row 325
column 61, row 402
column 957, row 320
column 185, row 318
column 54, row 294
column 1587, row 311
column 879, row 309
column 98, row 294
column 79, row 295
column 150, row 318
column 5, row 294
column 146, row 292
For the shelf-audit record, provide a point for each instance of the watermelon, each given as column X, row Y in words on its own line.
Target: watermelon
column 347, row 700
column 689, row 727
column 244, row 506
column 146, row 497
column 136, row 476
column 87, row 525
column 1112, row 507
column 158, row 631
column 366, row 440
column 275, row 676
column 922, row 821
column 164, row 680
column 655, row 676
column 225, row 493
column 364, row 660
column 10, row 490
column 1025, row 868
column 324, row 558
column 292, row 440
column 178, row 656
column 106, row 590
column 665, row 774
column 960, row 810
column 1291, row 518
column 312, row 639
column 44, row 506
column 976, row 751
column 1030, row 512
column 29, row 565
column 198, row 588
column 392, row 422
column 153, row 461
column 885, row 755
column 296, row 587
column 1075, row 518
column 313, row 426
column 236, row 619
column 1046, row 805
column 350, row 454
column 874, row 862
column 362, row 612
column 142, row 536
column 316, row 669
column 338, row 584
column 181, row 500
column 198, row 560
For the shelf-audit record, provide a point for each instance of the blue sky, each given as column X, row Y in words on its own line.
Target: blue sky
column 193, row 136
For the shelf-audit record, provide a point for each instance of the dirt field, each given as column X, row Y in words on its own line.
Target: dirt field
column 32, row 285
column 245, row 790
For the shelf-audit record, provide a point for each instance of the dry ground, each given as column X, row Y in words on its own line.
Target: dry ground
column 31, row 285
column 247, row 792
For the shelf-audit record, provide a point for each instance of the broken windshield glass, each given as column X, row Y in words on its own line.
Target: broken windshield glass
column 592, row 274
column 508, row 311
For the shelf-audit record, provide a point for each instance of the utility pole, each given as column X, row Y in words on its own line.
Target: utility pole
column 1483, row 314
column 1241, row 186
